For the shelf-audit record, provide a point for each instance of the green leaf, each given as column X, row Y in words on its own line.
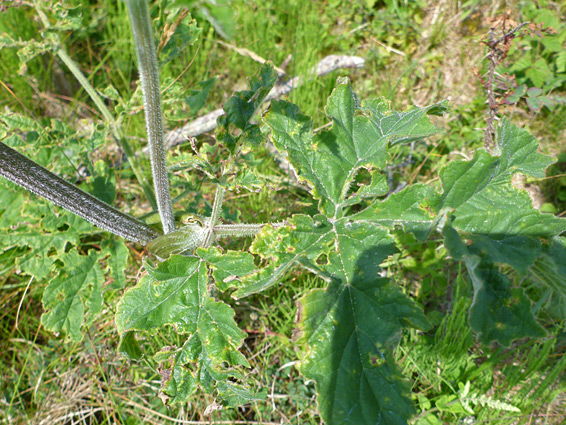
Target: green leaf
column 28, row 49
column 486, row 208
column 176, row 293
column 349, row 329
column 499, row 312
column 413, row 209
column 104, row 184
column 221, row 16
column 538, row 72
column 46, row 241
column 129, row 347
column 228, row 267
column 306, row 242
column 217, row 12
column 549, row 273
column 186, row 34
column 11, row 204
column 329, row 161
column 117, row 261
column 489, row 210
column 76, row 288
column 248, row 180
column 197, row 98
column 241, row 107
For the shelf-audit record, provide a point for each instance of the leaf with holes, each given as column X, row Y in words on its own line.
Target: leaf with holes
column 176, row 293
column 349, row 328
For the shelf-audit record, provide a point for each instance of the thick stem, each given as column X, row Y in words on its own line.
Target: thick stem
column 33, row 177
column 149, row 76
column 115, row 128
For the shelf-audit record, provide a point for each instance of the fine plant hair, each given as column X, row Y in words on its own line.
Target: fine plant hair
column 35, row 178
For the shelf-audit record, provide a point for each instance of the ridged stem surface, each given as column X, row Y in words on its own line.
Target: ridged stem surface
column 149, row 76
column 24, row 172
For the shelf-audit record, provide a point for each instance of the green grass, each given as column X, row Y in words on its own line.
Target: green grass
column 417, row 52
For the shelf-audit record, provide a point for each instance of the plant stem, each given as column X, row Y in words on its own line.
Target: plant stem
column 115, row 128
column 217, row 205
column 24, row 172
column 237, row 230
column 214, row 215
column 149, row 76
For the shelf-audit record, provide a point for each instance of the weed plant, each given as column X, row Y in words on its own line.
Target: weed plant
column 417, row 53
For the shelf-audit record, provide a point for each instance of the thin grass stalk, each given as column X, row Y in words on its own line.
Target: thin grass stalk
column 149, row 76
column 114, row 127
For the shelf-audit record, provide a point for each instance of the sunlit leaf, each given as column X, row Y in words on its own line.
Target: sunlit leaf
column 176, row 293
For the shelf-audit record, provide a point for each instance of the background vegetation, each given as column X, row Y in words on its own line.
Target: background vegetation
column 417, row 52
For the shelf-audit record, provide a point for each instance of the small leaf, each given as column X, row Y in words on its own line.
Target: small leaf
column 534, row 104
column 186, row 34
column 516, row 95
column 534, row 92
column 240, row 109
column 74, row 290
column 197, row 98
column 248, row 180
column 228, row 267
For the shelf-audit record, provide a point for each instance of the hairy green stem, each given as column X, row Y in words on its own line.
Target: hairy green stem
column 210, row 237
column 115, row 128
column 149, row 76
column 240, row 230
column 26, row 173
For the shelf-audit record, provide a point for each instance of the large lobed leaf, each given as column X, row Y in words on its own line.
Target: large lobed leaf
column 348, row 328
column 329, row 161
column 498, row 221
column 176, row 293
column 487, row 209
